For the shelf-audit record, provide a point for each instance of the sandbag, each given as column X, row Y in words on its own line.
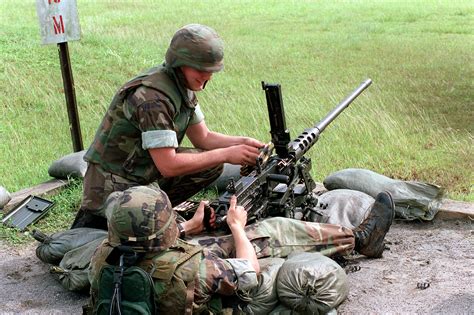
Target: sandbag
column 263, row 298
column 413, row 200
column 69, row 166
column 73, row 268
column 343, row 207
column 54, row 247
column 281, row 309
column 310, row 283
column 4, row 197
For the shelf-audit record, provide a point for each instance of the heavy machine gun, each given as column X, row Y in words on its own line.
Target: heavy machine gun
column 280, row 184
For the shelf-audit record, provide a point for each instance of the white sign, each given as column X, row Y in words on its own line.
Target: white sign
column 59, row 21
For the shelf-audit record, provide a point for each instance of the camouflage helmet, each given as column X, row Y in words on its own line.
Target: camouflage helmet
column 142, row 218
column 197, row 46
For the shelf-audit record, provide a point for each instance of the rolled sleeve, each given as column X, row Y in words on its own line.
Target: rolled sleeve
column 198, row 116
column 159, row 139
column 246, row 275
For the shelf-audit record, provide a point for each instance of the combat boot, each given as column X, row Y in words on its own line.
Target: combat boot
column 369, row 235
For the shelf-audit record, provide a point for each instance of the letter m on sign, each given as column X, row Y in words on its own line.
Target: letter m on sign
column 58, row 21
column 58, row 25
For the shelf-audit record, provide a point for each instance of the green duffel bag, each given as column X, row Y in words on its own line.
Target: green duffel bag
column 74, row 267
column 263, row 298
column 413, row 200
column 310, row 283
column 283, row 310
column 53, row 248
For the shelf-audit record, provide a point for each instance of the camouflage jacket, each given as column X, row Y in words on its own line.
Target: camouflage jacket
column 217, row 274
column 181, row 268
column 152, row 110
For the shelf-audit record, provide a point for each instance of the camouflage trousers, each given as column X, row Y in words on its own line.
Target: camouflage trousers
column 99, row 184
column 279, row 237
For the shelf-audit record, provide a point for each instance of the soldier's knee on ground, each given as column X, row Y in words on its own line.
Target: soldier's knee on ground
column 85, row 218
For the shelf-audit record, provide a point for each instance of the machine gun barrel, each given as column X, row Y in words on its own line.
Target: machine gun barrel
column 309, row 137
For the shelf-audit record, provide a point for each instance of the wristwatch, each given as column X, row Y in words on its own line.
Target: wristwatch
column 182, row 233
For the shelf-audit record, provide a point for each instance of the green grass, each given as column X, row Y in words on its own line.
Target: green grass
column 414, row 123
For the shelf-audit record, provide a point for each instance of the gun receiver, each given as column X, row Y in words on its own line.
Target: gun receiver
column 280, row 184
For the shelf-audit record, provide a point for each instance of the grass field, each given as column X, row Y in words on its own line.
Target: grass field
column 414, row 123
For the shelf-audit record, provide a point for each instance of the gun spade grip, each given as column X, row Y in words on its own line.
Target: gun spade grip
column 207, row 217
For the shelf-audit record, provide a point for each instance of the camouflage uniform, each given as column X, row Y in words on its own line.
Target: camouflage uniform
column 210, row 270
column 279, row 237
column 151, row 111
column 142, row 218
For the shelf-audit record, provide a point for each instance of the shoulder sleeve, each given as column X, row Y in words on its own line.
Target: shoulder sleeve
column 152, row 113
column 223, row 276
column 246, row 275
column 198, row 115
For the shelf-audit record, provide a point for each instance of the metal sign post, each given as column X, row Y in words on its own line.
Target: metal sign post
column 59, row 23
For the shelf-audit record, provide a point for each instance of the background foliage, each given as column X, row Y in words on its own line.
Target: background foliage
column 414, row 123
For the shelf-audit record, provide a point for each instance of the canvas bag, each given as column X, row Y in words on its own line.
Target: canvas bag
column 69, row 166
column 413, row 200
column 283, row 310
column 73, row 268
column 310, row 283
column 263, row 298
column 53, row 247
column 343, row 207
column 4, row 197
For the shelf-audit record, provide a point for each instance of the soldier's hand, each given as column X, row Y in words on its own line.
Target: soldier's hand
column 196, row 224
column 242, row 154
column 236, row 216
column 253, row 142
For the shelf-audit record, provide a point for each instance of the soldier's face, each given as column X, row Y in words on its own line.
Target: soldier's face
column 196, row 80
